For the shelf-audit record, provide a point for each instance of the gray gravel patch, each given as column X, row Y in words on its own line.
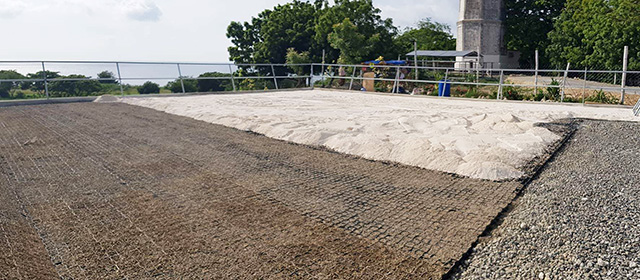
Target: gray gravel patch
column 578, row 219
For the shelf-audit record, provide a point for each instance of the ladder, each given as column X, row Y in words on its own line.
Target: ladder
column 636, row 109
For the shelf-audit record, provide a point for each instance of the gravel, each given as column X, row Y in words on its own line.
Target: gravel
column 578, row 219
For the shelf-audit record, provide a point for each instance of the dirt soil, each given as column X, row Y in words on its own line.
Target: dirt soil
column 106, row 191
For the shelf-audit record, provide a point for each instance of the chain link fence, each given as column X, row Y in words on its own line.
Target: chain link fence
column 572, row 86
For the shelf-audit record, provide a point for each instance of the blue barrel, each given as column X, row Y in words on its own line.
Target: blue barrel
column 444, row 88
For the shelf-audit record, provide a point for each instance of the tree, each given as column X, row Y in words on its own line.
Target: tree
column 593, row 33
column 76, row 86
column 148, row 88
column 111, row 79
column 294, row 57
column 353, row 46
column 306, row 28
column 267, row 37
column 527, row 24
column 190, row 85
column 429, row 35
column 211, row 85
column 5, row 87
column 287, row 26
column 39, row 86
column 369, row 25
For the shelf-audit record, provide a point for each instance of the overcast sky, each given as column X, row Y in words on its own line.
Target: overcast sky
column 153, row 30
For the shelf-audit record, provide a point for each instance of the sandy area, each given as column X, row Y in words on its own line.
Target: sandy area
column 479, row 139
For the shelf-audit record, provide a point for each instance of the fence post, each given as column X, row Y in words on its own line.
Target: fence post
column 444, row 87
column 311, row 83
column 120, row 79
column 396, row 82
column 623, row 83
column 46, row 84
column 180, row 77
column 275, row 80
column 415, row 56
column 233, row 82
column 352, row 77
column 500, row 86
column 322, row 73
column 584, row 86
column 564, row 81
column 536, row 74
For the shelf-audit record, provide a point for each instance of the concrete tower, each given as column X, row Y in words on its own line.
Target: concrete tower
column 481, row 28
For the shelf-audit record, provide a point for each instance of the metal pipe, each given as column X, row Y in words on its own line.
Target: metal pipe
column 623, row 83
column 415, row 56
column 180, row 77
column 352, row 78
column 233, row 82
column 535, row 91
column 322, row 73
column 311, row 77
column 120, row 79
column 500, row 86
column 275, row 80
column 584, row 85
column 46, row 84
column 564, row 82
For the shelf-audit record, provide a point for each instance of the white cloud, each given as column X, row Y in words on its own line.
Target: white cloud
column 184, row 30
column 141, row 10
column 11, row 8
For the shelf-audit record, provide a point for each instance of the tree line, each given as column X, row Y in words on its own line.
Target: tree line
column 586, row 33
column 347, row 31
column 105, row 83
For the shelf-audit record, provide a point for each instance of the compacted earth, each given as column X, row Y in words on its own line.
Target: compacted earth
column 97, row 191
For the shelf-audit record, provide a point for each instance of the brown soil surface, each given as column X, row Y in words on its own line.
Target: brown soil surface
column 106, row 191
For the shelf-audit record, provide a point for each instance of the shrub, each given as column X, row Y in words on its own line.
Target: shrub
column 602, row 97
column 511, row 93
column 553, row 93
column 148, row 88
column 210, row 85
column 176, row 86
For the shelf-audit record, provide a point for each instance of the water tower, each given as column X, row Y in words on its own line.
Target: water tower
column 481, row 28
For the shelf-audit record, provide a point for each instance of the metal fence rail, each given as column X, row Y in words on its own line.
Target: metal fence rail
column 572, row 85
column 255, row 71
column 568, row 85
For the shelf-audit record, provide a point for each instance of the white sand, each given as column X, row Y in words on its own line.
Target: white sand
column 479, row 139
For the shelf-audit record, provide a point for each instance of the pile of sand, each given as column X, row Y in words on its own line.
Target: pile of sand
column 488, row 140
column 106, row 99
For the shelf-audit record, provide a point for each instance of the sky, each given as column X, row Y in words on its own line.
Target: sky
column 153, row 30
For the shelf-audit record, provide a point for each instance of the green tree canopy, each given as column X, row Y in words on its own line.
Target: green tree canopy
column 148, row 88
column 190, row 85
column 353, row 45
column 305, row 27
column 593, row 33
column 429, row 35
column 110, row 78
column 211, row 85
column 5, row 87
column 527, row 24
column 267, row 37
column 368, row 25
column 294, row 57
column 77, row 86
